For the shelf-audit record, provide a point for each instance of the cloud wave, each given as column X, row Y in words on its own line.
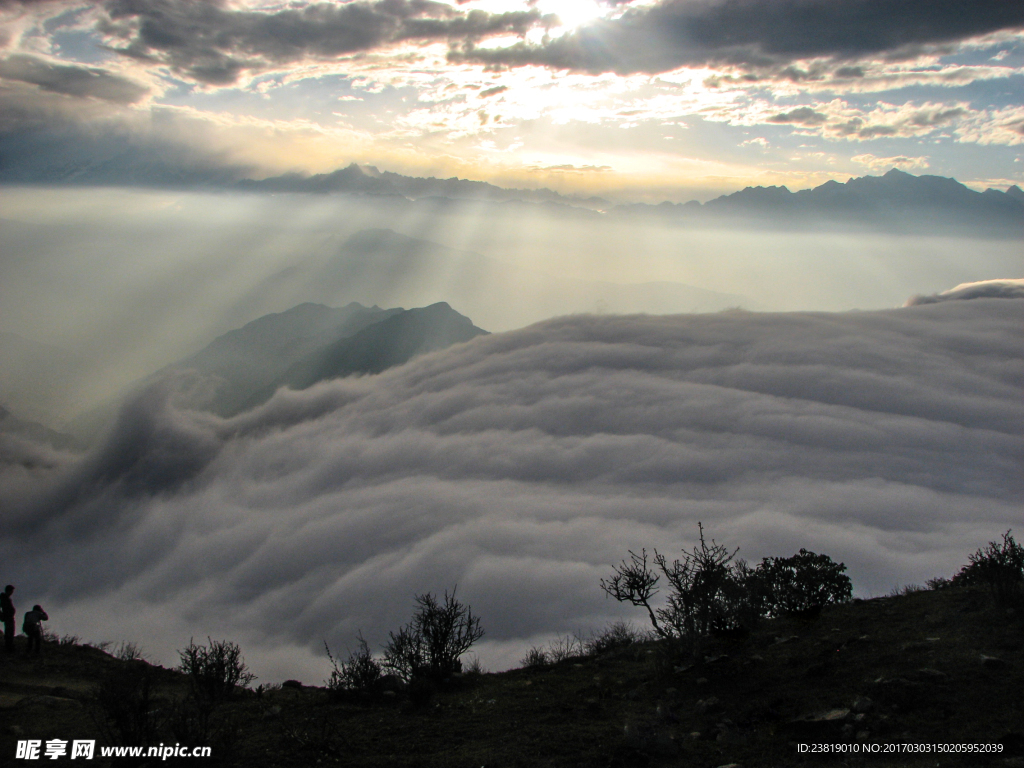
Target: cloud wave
column 522, row 465
column 983, row 289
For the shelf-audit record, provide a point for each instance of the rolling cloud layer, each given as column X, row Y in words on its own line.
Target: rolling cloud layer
column 521, row 466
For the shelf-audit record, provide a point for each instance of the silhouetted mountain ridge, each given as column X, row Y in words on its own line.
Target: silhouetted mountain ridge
column 896, row 199
column 313, row 342
column 252, row 357
column 369, row 180
column 382, row 345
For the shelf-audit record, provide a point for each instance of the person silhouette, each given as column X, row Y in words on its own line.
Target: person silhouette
column 7, row 614
column 33, row 628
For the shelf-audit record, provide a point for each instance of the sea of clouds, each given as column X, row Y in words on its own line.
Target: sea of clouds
column 522, row 466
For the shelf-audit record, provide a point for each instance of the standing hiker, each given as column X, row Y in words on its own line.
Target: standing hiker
column 7, row 615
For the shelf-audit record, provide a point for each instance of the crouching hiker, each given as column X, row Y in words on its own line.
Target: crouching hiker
column 32, row 626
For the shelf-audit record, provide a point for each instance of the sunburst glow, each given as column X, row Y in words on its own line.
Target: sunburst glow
column 573, row 13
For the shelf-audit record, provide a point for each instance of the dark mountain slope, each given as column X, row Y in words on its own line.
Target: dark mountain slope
column 383, row 345
column 256, row 355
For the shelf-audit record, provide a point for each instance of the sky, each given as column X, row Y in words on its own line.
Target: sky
column 644, row 100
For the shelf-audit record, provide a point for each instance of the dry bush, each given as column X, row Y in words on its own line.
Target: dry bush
column 214, row 670
column 430, row 646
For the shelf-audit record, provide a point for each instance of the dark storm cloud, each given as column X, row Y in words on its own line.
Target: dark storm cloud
column 756, row 33
column 211, row 43
column 71, row 80
column 522, row 465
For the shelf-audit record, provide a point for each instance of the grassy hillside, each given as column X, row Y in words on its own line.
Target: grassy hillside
column 930, row 667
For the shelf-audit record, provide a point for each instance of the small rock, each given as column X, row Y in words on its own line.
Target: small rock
column 395, row 683
column 863, row 735
column 862, row 704
column 702, row 681
column 663, row 744
column 49, row 702
column 817, row 670
column 706, row 705
column 731, row 765
column 695, row 735
column 834, row 715
column 915, row 646
column 934, row 674
column 666, row 714
column 991, row 662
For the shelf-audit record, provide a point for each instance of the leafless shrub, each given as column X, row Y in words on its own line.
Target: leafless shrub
column 214, row 670
column 359, row 672
column 616, row 636
column 535, row 657
column 431, row 645
column 127, row 651
column 1000, row 566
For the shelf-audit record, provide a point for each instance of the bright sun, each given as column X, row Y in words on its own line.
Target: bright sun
column 573, row 13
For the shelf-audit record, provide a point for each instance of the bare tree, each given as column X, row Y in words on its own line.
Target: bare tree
column 431, row 644
column 706, row 589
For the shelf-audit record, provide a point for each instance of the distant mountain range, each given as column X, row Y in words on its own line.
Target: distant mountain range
column 367, row 179
column 896, row 199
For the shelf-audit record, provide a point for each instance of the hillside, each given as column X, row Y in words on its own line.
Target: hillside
column 922, row 668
